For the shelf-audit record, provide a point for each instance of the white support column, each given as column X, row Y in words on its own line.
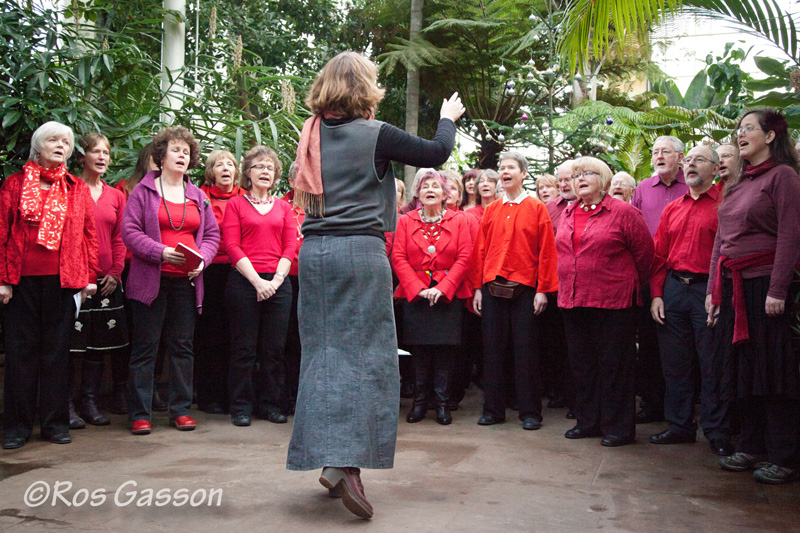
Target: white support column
column 173, row 55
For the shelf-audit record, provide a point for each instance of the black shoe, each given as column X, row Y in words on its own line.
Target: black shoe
column 416, row 413
column 443, row 415
column 58, row 438
column 721, row 446
column 407, row 389
column 612, row 441
column 531, row 424
column 159, row 405
column 489, row 420
column 570, row 415
column 453, row 406
column 276, row 417
column 91, row 414
column 578, row 433
column 75, row 421
column 241, row 420
column 670, row 437
column 12, row 443
column 646, row 416
column 212, row 408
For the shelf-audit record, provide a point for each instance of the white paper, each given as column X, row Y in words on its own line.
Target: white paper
column 77, row 297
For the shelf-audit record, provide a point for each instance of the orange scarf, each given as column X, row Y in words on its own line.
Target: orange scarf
column 49, row 209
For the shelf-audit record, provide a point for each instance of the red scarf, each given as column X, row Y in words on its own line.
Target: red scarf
column 741, row 332
column 50, row 208
column 308, row 180
column 215, row 192
column 752, row 171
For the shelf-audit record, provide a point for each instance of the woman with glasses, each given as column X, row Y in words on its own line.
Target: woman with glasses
column 604, row 254
column 260, row 235
column 752, row 290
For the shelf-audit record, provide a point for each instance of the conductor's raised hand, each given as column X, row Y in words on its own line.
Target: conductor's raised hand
column 452, row 108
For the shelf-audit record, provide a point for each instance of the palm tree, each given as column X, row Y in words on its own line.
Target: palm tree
column 412, row 85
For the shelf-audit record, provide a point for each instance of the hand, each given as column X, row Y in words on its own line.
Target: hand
column 774, row 307
column 477, row 301
column 452, row 108
column 109, row 284
column 433, row 295
column 169, row 255
column 196, row 272
column 539, row 303
column 6, row 292
column 713, row 312
column 657, row 310
column 264, row 289
column 88, row 290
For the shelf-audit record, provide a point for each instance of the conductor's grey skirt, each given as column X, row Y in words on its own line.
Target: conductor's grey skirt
column 349, row 394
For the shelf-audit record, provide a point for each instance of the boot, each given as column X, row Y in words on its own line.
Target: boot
column 421, row 386
column 75, row 422
column 91, row 375
column 442, row 379
column 158, row 405
column 119, row 399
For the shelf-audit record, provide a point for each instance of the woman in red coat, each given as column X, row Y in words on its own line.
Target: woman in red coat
column 430, row 256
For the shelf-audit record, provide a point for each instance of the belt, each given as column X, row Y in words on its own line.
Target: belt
column 689, row 278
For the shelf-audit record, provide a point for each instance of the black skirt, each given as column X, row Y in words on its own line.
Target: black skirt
column 768, row 363
column 425, row 325
column 101, row 324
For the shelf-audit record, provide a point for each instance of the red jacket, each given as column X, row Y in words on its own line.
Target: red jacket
column 414, row 265
column 613, row 261
column 78, row 253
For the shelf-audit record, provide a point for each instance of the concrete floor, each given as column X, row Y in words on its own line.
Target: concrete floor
column 456, row 478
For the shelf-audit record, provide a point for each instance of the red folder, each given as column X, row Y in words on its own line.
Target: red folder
column 193, row 259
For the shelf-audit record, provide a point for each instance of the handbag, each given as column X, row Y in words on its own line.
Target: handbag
column 502, row 288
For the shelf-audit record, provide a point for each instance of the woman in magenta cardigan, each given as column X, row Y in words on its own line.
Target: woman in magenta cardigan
column 163, row 211
column 261, row 238
column 430, row 256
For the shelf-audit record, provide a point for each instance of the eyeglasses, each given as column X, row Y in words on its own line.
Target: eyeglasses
column 664, row 151
column 620, row 184
column 585, row 173
column 262, row 168
column 697, row 159
column 726, row 156
column 746, row 130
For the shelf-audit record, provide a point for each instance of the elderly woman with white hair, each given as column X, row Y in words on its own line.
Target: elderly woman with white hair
column 48, row 255
column 604, row 255
column 414, row 202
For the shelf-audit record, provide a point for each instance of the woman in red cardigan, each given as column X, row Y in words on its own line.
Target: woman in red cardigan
column 604, row 254
column 486, row 187
column 212, row 331
column 260, row 235
column 48, row 257
column 430, row 256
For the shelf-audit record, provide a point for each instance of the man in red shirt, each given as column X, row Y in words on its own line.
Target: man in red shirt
column 514, row 266
column 684, row 242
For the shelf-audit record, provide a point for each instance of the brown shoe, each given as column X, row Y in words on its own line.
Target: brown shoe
column 353, row 493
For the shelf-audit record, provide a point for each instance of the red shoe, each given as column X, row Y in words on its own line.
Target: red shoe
column 184, row 423
column 140, row 427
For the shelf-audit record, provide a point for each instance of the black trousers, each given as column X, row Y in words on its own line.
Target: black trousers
column 173, row 312
column 293, row 349
column 683, row 335
column 433, row 369
column 649, row 377
column 37, row 324
column 258, row 333
column 601, row 354
column 471, row 355
column 507, row 320
column 554, row 353
column 212, row 339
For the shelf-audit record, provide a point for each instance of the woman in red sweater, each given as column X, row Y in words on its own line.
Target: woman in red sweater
column 48, row 256
column 101, row 327
column 212, row 331
column 487, row 187
column 604, row 255
column 752, row 278
column 260, row 236
column 430, row 255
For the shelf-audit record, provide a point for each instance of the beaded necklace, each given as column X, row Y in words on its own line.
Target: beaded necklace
column 169, row 216
column 256, row 201
column 431, row 230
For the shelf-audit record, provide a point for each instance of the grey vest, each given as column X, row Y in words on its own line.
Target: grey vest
column 357, row 200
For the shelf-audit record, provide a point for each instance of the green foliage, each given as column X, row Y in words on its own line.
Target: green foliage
column 96, row 79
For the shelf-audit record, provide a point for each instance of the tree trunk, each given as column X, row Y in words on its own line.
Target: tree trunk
column 412, row 88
